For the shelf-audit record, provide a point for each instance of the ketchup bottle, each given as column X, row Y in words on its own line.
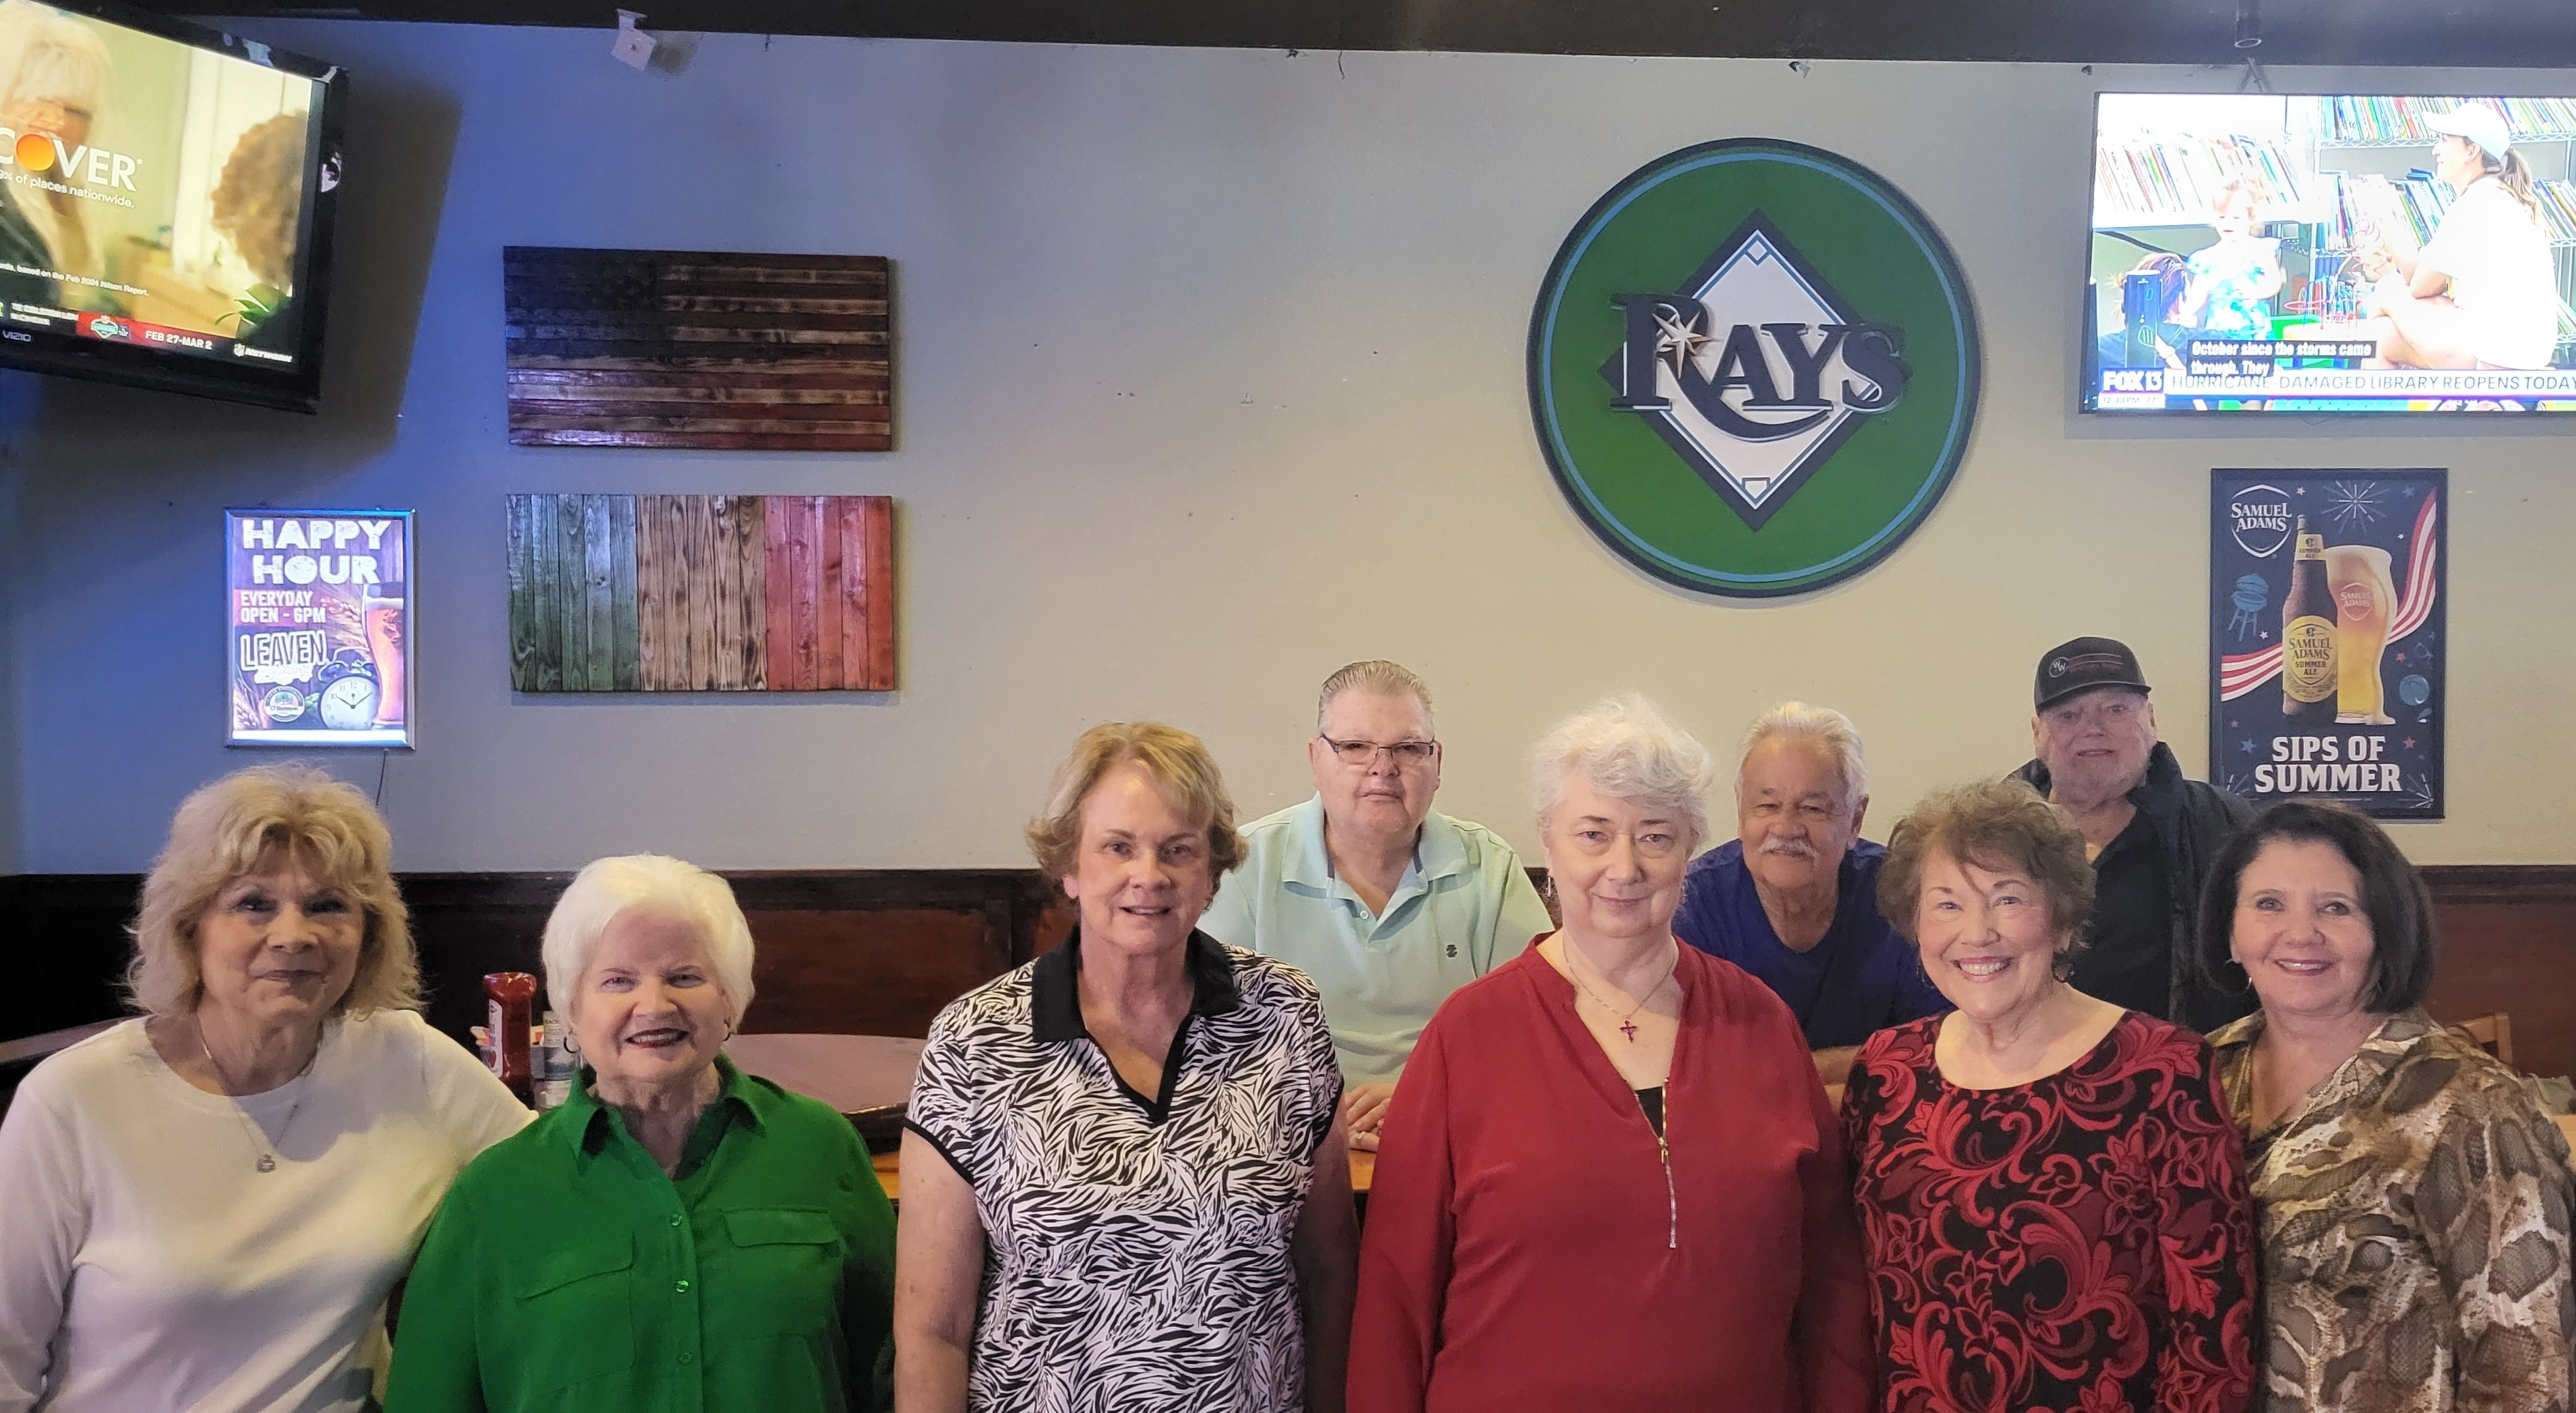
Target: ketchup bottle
column 511, row 993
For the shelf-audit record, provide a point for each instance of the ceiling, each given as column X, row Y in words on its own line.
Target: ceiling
column 2473, row 33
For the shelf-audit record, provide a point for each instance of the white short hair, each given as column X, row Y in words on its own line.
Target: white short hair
column 1823, row 727
column 1626, row 748
column 608, row 887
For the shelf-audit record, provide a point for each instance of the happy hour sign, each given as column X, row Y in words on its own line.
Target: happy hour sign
column 318, row 627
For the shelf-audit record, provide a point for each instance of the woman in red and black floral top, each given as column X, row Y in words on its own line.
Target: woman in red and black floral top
column 2050, row 1188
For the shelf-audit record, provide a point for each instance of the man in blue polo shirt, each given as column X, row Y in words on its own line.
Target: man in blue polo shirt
column 1794, row 899
column 1385, row 903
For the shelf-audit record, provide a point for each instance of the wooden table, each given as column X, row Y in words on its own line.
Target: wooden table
column 856, row 1074
column 32, row 1048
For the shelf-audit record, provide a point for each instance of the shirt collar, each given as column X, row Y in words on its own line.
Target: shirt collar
column 1442, row 849
column 588, row 1125
column 1310, row 863
column 1055, row 1003
column 2397, row 1032
column 2236, row 1034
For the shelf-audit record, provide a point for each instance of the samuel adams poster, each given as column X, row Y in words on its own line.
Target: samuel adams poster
column 2327, row 639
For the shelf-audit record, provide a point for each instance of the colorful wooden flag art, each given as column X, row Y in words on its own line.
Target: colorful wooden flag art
column 627, row 593
column 666, row 348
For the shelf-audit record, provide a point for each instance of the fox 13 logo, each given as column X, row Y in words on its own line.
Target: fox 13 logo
column 1753, row 368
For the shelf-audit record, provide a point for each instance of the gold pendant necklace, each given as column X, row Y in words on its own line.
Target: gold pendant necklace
column 261, row 1144
column 1627, row 1018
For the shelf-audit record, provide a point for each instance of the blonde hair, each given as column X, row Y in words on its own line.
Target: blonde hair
column 1374, row 675
column 1628, row 749
column 260, row 200
column 2514, row 175
column 244, row 824
column 606, row 888
column 52, row 57
column 1177, row 762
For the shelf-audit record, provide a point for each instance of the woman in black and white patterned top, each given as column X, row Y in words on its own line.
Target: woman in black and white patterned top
column 1125, row 1184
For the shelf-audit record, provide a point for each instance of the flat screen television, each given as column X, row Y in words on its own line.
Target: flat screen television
column 166, row 194
column 2327, row 253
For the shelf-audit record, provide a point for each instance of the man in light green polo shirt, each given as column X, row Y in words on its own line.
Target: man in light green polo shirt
column 1385, row 904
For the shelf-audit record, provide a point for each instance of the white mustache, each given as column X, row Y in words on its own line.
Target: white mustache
column 1799, row 847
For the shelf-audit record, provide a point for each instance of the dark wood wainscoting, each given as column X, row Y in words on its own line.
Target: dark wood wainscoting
column 858, row 952
column 879, row 951
column 855, row 952
column 2509, row 945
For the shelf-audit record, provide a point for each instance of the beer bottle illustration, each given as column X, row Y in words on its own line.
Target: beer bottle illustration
column 2308, row 635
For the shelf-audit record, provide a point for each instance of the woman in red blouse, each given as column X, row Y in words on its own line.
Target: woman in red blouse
column 2050, row 1188
column 1609, row 1178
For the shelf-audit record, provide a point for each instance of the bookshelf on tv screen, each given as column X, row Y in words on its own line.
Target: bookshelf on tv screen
column 2307, row 253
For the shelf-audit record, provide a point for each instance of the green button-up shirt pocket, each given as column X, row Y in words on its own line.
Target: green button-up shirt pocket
column 575, row 1315
column 784, row 1277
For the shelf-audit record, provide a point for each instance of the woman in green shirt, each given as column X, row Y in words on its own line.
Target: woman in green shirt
column 680, row 1235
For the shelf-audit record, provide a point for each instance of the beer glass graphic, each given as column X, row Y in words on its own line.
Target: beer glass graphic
column 383, row 607
column 2364, row 601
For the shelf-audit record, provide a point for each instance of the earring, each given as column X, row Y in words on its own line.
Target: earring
column 2062, row 966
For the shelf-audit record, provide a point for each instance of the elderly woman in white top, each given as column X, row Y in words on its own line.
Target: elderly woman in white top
column 204, row 1208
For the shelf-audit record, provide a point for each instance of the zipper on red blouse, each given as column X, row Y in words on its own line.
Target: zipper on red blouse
column 1664, row 1150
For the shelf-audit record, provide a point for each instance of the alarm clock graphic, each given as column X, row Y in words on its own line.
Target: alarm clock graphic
column 344, row 696
column 348, row 704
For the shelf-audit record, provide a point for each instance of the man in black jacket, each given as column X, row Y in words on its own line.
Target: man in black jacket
column 2152, row 834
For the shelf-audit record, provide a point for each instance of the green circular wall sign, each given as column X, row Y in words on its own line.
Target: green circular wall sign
column 1753, row 367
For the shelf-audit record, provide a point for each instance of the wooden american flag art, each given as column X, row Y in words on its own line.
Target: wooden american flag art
column 718, row 352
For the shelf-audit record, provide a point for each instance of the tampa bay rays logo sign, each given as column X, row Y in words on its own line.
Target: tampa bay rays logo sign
column 1786, row 401
column 1762, row 390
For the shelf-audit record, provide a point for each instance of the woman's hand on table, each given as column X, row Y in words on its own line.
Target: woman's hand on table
column 1363, row 1110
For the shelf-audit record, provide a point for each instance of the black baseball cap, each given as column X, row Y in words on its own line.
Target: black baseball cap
column 2081, row 664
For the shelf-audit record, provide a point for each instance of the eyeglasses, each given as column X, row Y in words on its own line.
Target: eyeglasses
column 1360, row 755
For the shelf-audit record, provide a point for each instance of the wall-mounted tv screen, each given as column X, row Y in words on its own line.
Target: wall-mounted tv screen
column 2314, row 253
column 165, row 204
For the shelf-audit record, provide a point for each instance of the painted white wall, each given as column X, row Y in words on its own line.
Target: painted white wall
column 1210, row 380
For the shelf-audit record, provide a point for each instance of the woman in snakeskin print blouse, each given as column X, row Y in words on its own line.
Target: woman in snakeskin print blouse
column 2413, row 1195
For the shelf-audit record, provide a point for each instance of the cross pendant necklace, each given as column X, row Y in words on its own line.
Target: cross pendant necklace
column 1627, row 1018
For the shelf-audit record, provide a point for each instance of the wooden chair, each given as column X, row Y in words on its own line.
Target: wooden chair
column 2493, row 1034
